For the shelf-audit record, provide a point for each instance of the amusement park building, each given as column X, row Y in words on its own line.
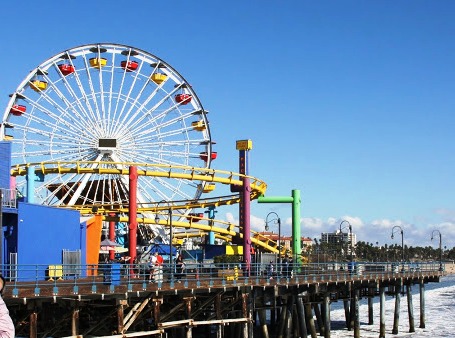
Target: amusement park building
column 34, row 235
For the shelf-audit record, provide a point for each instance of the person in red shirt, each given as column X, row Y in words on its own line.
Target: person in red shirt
column 158, row 268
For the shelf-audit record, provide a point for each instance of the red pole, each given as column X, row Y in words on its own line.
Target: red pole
column 133, row 214
column 112, row 236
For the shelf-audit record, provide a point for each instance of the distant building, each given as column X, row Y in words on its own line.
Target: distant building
column 338, row 237
column 286, row 241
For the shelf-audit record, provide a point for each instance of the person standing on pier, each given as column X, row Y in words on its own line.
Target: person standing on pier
column 180, row 267
column 270, row 270
column 152, row 266
column 159, row 268
column 7, row 329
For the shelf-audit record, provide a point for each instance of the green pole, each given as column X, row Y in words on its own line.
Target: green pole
column 295, row 200
column 296, row 238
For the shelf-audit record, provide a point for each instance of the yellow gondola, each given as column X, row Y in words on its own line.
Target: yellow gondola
column 98, row 62
column 209, row 187
column 158, row 78
column 199, row 125
column 38, row 85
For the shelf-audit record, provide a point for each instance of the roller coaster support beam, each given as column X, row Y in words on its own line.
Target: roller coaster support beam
column 244, row 146
column 112, row 235
column 30, row 184
column 211, row 215
column 295, row 200
column 133, row 214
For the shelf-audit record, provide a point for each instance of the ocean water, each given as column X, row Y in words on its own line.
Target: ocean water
column 439, row 314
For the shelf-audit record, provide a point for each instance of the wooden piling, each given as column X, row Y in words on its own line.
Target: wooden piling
column 422, row 303
column 288, row 316
column 347, row 317
column 396, row 315
column 352, row 311
column 356, row 314
column 120, row 314
column 310, row 320
column 326, row 314
column 319, row 321
column 301, row 320
column 370, row 311
column 382, row 312
column 410, row 308
column 33, row 324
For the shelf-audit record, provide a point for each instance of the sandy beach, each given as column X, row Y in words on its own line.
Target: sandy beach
column 449, row 268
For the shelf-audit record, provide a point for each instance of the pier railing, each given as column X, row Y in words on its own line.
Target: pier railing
column 143, row 276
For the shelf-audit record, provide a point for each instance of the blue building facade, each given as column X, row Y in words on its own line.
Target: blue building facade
column 36, row 236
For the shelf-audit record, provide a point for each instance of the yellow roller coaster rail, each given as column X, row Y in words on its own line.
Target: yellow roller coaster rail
column 222, row 230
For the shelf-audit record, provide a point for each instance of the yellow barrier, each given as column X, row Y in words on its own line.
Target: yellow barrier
column 55, row 271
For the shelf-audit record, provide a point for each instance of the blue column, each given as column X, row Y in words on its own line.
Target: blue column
column 30, row 184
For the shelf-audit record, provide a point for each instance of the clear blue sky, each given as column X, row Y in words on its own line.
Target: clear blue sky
column 350, row 102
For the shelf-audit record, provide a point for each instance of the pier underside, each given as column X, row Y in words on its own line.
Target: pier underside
column 247, row 308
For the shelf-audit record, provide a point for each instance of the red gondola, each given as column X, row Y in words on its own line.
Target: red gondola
column 183, row 98
column 18, row 109
column 192, row 216
column 66, row 68
column 203, row 156
column 129, row 66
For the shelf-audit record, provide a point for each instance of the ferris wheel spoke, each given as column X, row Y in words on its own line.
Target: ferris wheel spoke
column 92, row 96
column 69, row 112
column 134, row 103
column 127, row 96
column 148, row 112
column 49, row 114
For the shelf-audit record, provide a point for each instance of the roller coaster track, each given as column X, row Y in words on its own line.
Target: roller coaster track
column 192, row 228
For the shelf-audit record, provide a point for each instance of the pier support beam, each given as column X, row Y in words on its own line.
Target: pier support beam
column 319, row 321
column 352, row 311
column 382, row 312
column 310, row 320
column 246, row 312
column 188, row 310
column 75, row 320
column 121, row 303
column 326, row 313
column 356, row 314
column 370, row 311
column 422, row 304
column 288, row 320
column 33, row 324
column 396, row 315
column 301, row 318
column 346, row 314
column 410, row 308
column 219, row 327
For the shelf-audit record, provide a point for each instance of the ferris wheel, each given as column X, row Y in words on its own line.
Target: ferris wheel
column 107, row 105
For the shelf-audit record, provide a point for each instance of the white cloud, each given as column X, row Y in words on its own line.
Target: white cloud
column 378, row 230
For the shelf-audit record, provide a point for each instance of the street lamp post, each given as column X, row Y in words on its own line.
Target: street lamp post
column 157, row 219
column 402, row 244
column 440, row 247
column 349, row 226
column 277, row 220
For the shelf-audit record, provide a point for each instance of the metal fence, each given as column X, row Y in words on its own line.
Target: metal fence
column 37, row 276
